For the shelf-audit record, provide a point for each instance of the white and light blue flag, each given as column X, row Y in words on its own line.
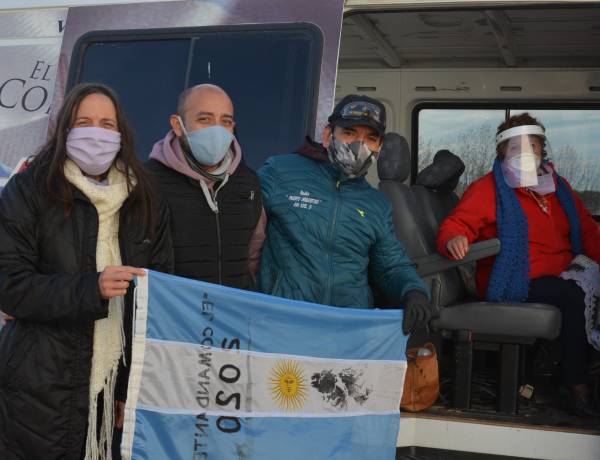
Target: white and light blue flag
column 220, row 373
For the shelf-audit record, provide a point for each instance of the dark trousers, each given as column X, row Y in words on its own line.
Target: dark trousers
column 568, row 297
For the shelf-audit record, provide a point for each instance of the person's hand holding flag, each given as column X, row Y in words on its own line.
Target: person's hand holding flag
column 418, row 311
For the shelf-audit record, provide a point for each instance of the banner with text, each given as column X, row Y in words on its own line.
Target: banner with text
column 30, row 43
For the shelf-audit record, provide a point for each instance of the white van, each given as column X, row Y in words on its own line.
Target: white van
column 448, row 72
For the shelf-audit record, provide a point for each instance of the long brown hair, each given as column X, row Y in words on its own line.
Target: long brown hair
column 48, row 164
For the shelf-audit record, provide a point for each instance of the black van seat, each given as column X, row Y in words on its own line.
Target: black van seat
column 418, row 212
column 507, row 319
column 434, row 188
column 393, row 168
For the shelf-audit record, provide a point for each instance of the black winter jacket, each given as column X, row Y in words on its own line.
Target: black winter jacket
column 49, row 283
column 209, row 246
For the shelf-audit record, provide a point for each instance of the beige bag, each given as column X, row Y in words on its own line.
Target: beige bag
column 422, row 381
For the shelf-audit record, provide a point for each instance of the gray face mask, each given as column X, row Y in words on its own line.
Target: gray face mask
column 353, row 159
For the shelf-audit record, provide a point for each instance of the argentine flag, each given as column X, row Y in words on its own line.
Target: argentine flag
column 220, row 373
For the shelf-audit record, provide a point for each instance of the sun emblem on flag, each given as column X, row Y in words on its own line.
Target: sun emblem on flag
column 288, row 385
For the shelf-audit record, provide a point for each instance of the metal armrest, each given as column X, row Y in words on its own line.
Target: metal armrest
column 435, row 263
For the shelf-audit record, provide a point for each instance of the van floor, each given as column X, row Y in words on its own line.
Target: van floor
column 427, row 453
column 547, row 407
column 544, row 411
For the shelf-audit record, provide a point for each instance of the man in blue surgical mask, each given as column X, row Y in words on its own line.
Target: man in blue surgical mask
column 217, row 219
column 329, row 231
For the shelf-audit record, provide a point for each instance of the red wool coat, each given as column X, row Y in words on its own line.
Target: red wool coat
column 549, row 244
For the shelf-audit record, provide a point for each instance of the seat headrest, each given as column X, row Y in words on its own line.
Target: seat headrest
column 394, row 159
column 443, row 173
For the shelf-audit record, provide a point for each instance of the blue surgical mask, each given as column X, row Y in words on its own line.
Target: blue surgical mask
column 208, row 145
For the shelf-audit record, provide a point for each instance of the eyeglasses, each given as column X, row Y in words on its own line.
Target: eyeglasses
column 361, row 110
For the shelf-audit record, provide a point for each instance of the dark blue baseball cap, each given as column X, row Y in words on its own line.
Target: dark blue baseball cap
column 358, row 110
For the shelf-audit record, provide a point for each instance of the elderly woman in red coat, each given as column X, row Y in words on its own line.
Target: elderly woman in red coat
column 542, row 226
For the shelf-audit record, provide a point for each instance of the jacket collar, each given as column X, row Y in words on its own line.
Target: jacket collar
column 314, row 151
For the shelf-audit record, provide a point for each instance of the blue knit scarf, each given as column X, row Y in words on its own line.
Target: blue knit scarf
column 509, row 281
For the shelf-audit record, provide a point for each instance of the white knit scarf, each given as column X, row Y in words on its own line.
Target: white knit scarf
column 108, row 332
column 586, row 273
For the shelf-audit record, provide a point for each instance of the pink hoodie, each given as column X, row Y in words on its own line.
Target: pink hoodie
column 169, row 152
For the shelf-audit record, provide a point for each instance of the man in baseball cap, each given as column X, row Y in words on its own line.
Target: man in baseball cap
column 328, row 230
column 354, row 135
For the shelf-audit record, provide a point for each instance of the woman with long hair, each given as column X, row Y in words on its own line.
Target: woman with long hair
column 550, row 243
column 74, row 229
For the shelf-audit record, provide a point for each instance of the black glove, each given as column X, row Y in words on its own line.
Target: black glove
column 417, row 311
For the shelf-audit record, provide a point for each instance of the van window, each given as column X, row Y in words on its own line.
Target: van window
column 146, row 76
column 271, row 75
column 469, row 133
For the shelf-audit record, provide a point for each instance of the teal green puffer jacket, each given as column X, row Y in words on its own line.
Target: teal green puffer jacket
column 325, row 235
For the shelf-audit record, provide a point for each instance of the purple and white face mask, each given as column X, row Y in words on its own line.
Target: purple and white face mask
column 521, row 170
column 545, row 183
column 93, row 149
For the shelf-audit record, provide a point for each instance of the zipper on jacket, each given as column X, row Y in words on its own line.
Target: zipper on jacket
column 213, row 204
column 77, row 373
column 219, row 249
column 219, row 253
column 329, row 287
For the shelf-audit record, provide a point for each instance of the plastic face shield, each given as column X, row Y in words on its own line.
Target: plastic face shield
column 523, row 147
